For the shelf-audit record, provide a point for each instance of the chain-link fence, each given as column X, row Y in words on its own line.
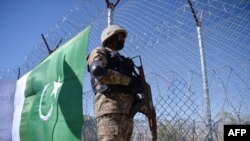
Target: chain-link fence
column 9, row 74
column 175, row 107
column 180, row 112
column 164, row 34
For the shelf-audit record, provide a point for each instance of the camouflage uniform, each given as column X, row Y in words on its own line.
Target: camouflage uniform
column 114, row 127
column 112, row 108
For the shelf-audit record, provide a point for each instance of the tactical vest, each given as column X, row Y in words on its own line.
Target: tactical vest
column 120, row 64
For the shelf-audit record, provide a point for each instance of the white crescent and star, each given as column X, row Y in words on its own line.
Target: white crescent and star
column 56, row 85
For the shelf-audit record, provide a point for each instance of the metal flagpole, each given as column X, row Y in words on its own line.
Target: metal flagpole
column 204, row 74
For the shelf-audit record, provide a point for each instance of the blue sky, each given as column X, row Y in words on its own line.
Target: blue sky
column 22, row 22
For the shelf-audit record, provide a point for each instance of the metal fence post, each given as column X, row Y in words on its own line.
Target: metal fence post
column 204, row 74
column 111, row 6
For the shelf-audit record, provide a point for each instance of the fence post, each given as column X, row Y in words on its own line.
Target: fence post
column 204, row 74
column 111, row 6
column 18, row 72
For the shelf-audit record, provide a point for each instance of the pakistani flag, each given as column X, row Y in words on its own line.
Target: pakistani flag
column 48, row 99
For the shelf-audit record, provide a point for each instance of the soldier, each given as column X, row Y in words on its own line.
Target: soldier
column 114, row 85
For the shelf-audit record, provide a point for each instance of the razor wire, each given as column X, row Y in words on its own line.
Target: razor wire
column 72, row 23
column 163, row 32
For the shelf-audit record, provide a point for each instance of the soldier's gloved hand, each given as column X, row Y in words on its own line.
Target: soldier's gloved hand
column 136, row 85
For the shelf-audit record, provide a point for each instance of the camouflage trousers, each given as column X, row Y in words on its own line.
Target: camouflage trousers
column 114, row 127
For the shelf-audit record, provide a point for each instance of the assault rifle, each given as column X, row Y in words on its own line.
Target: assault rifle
column 145, row 104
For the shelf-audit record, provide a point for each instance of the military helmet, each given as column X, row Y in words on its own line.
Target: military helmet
column 110, row 31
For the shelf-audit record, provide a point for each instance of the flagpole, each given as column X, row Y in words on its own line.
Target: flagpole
column 204, row 73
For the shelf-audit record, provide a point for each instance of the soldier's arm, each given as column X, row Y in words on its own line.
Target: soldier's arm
column 98, row 62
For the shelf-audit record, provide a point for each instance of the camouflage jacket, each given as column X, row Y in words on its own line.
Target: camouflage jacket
column 116, row 102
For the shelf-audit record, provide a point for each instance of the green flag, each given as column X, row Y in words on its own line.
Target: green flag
column 48, row 100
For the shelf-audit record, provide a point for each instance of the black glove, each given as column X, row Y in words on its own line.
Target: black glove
column 136, row 85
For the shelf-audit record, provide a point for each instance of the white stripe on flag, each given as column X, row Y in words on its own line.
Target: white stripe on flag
column 18, row 106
